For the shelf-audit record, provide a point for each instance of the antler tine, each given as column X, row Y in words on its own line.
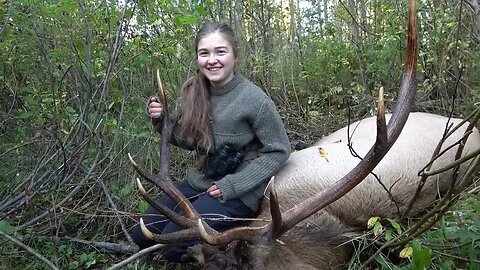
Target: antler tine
column 250, row 234
column 161, row 93
column 183, row 235
column 385, row 139
column 274, row 207
column 171, row 215
column 165, row 184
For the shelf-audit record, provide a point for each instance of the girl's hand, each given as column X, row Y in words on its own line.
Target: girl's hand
column 155, row 108
column 215, row 192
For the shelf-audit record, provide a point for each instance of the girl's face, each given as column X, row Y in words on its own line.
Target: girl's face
column 216, row 59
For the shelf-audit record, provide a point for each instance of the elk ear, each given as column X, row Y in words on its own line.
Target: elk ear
column 194, row 253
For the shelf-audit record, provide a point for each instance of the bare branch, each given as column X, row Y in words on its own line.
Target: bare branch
column 139, row 254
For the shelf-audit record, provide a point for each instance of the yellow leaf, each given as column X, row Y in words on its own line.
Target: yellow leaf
column 406, row 252
column 324, row 153
column 371, row 222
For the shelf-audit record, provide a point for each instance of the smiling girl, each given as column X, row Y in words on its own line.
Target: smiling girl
column 222, row 115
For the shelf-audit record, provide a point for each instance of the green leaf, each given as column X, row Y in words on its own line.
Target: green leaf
column 128, row 14
column 25, row 115
column 73, row 265
column 62, row 248
column 395, row 225
column 87, row 259
column 84, row 258
column 186, row 20
column 422, row 257
column 377, row 229
column 6, row 227
column 447, row 265
column 201, row 10
column 70, row 110
column 142, row 206
column 144, row 135
column 388, row 235
column 26, row 90
column 126, row 190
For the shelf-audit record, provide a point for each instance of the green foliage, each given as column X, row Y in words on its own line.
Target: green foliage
column 456, row 240
column 142, row 206
column 422, row 257
column 70, row 111
column 451, row 244
column 6, row 227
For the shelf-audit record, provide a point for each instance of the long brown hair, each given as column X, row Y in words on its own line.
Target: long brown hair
column 195, row 108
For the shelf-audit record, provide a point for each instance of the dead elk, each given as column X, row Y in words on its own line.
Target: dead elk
column 323, row 240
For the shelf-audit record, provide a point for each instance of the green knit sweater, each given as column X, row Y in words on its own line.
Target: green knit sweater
column 242, row 112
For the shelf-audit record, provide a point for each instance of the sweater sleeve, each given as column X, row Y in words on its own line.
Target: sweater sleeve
column 268, row 128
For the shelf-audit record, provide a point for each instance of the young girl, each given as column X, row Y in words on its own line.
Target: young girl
column 227, row 116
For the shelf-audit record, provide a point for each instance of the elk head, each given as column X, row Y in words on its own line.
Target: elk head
column 242, row 248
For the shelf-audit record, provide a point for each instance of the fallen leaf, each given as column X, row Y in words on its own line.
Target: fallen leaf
column 324, row 153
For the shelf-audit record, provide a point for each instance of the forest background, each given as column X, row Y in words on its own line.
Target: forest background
column 75, row 77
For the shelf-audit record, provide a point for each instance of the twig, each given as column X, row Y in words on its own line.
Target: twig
column 67, row 198
column 474, row 116
column 102, row 246
column 112, row 204
column 139, row 254
column 457, row 257
column 474, row 190
column 458, row 162
column 29, row 250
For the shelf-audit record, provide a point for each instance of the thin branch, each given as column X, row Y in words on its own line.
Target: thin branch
column 66, row 199
column 449, row 130
column 112, row 204
column 139, row 254
column 102, row 246
column 457, row 162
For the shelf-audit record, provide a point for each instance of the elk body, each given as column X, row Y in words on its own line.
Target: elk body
column 323, row 240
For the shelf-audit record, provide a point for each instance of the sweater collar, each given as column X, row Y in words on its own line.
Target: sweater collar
column 229, row 86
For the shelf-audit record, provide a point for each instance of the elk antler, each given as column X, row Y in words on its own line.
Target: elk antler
column 163, row 181
column 386, row 136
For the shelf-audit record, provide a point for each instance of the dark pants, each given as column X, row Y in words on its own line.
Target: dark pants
column 213, row 212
